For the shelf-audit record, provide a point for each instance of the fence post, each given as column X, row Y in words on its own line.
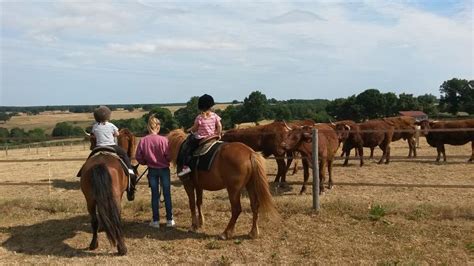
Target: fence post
column 315, row 170
column 6, row 150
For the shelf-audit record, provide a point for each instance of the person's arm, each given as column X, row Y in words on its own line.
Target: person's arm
column 116, row 131
column 218, row 125
column 195, row 127
column 218, row 128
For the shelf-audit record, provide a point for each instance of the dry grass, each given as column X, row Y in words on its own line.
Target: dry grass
column 47, row 222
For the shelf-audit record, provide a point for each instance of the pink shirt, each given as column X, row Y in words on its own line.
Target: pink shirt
column 206, row 125
column 153, row 150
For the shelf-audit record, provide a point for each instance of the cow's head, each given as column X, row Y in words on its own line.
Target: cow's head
column 425, row 126
column 296, row 136
column 342, row 131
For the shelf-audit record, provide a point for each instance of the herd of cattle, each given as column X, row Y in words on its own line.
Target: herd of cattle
column 280, row 138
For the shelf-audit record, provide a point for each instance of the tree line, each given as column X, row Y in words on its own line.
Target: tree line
column 456, row 95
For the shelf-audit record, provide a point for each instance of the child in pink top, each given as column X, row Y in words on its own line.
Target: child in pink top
column 153, row 151
column 206, row 124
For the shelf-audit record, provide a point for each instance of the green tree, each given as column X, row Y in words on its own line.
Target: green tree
column 4, row 116
column 407, row 102
column 186, row 115
column 391, row 101
column 230, row 116
column 254, row 108
column 372, row 103
column 342, row 109
column 168, row 122
column 4, row 134
column 455, row 94
column 65, row 129
column 36, row 134
column 428, row 104
column 281, row 112
column 18, row 134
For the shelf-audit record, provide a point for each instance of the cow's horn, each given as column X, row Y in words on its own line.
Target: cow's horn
column 332, row 123
column 85, row 132
column 348, row 127
column 287, row 127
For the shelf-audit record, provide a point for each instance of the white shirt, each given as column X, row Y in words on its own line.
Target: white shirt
column 104, row 133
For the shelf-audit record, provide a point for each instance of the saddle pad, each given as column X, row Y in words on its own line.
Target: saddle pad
column 205, row 147
column 107, row 151
column 204, row 162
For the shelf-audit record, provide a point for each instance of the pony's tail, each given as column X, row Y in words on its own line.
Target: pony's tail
column 262, row 188
column 107, row 209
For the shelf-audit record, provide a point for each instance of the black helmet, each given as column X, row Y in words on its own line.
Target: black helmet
column 102, row 113
column 205, row 102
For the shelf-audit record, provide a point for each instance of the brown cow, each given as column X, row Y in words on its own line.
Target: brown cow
column 300, row 139
column 404, row 129
column 438, row 139
column 266, row 139
column 369, row 134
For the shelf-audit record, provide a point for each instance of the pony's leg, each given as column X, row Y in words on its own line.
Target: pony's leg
column 199, row 204
column 121, row 247
column 234, row 197
column 94, row 224
column 192, row 204
column 254, row 205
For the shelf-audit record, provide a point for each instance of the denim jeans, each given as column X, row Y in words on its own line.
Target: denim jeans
column 154, row 176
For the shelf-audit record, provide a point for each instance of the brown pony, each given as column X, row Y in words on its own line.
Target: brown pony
column 128, row 142
column 103, row 182
column 235, row 166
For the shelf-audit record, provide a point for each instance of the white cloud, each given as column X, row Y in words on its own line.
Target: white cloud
column 170, row 45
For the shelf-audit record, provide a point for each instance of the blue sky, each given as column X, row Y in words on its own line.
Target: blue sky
column 103, row 52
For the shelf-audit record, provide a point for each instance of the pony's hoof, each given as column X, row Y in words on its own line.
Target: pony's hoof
column 122, row 251
column 93, row 246
column 253, row 234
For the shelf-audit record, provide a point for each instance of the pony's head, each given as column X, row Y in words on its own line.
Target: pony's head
column 175, row 139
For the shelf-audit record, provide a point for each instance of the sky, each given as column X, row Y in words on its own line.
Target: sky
column 143, row 51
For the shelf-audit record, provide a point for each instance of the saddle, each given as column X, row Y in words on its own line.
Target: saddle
column 204, row 154
column 108, row 151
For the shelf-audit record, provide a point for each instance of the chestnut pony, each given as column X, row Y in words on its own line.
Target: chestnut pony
column 235, row 167
column 103, row 183
column 127, row 141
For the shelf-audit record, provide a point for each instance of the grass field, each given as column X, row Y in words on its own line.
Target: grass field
column 44, row 219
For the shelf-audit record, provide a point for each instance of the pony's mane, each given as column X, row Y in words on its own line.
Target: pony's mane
column 175, row 138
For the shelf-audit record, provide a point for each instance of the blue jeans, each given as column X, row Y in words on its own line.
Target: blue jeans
column 154, row 176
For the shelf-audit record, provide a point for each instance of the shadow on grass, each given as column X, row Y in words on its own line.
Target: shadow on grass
column 48, row 237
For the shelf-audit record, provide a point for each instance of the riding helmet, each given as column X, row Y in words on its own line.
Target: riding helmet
column 205, row 102
column 102, row 113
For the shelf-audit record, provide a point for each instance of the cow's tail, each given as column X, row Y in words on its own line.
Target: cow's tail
column 107, row 208
column 262, row 188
